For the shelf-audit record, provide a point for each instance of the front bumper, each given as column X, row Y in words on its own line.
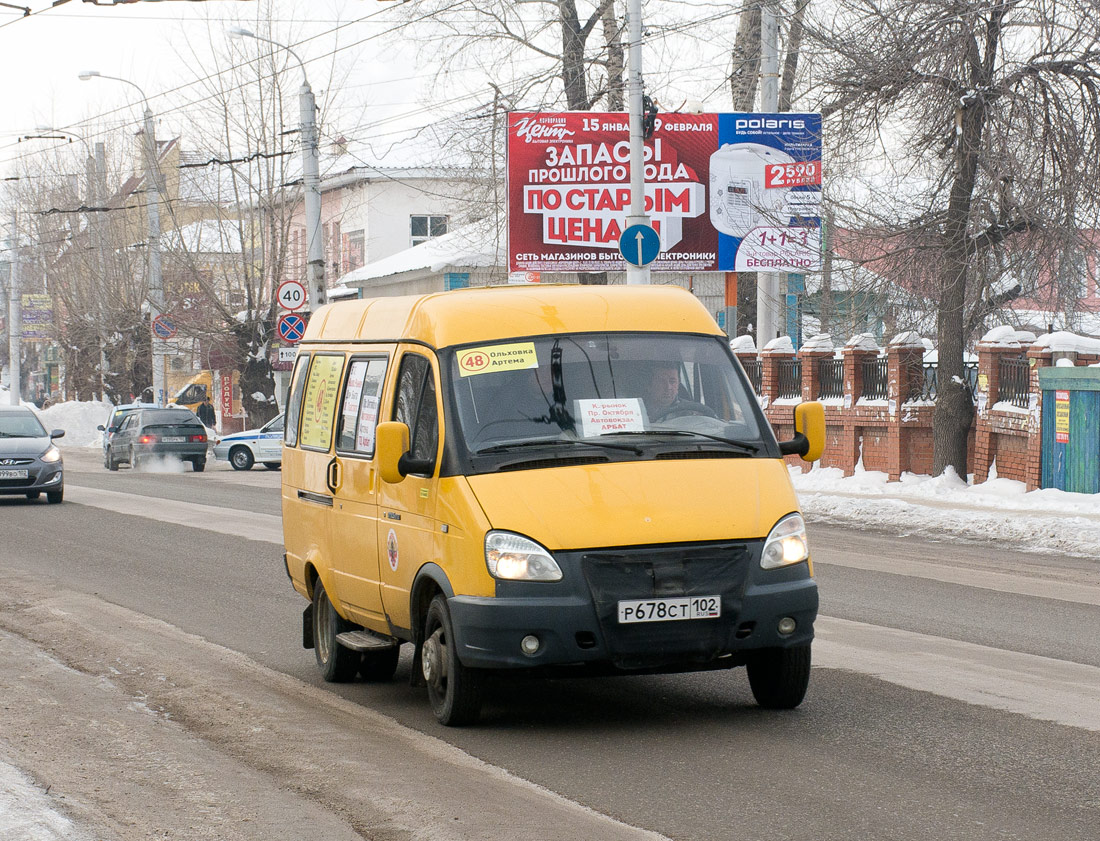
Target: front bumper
column 41, row 476
column 576, row 619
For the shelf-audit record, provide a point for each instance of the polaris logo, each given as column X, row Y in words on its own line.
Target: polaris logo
column 7, row 461
column 768, row 122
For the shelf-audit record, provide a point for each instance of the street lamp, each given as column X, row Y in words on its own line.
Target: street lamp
column 152, row 205
column 311, row 177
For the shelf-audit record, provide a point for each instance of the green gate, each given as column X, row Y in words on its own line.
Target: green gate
column 1071, row 429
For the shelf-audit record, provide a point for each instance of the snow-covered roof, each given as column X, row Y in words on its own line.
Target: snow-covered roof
column 470, row 246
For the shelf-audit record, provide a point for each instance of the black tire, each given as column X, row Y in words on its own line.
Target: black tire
column 34, row 494
column 111, row 463
column 379, row 666
column 198, row 465
column 338, row 664
column 273, row 465
column 135, row 463
column 54, row 497
column 241, row 458
column 453, row 689
column 779, row 676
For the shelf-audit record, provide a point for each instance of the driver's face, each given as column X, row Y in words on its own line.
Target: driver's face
column 664, row 386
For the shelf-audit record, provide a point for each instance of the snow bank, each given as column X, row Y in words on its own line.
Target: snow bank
column 743, row 344
column 79, row 420
column 999, row 510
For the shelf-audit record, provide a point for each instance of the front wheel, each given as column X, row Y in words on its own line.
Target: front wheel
column 338, row 664
column 241, row 458
column 779, row 676
column 111, row 463
column 54, row 497
column 453, row 689
column 34, row 494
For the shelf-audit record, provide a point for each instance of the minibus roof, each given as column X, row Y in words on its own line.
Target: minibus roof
column 492, row 313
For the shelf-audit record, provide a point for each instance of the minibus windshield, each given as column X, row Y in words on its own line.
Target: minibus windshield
column 615, row 390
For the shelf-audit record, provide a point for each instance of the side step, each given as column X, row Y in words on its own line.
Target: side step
column 364, row 641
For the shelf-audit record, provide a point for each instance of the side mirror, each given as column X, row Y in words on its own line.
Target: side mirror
column 101, row 428
column 809, row 432
column 391, row 442
column 57, row 433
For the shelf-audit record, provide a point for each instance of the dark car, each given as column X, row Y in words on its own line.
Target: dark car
column 173, row 433
column 29, row 462
column 114, row 421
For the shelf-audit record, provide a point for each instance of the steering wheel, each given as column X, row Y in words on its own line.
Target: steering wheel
column 684, row 409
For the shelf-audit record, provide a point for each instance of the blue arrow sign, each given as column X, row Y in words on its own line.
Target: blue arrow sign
column 639, row 245
column 291, row 328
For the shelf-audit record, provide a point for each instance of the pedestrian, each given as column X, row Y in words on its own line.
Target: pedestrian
column 206, row 413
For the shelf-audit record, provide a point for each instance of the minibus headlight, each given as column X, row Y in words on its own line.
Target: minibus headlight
column 51, row 455
column 517, row 558
column 786, row 544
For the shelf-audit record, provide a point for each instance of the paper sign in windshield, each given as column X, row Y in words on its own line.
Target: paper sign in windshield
column 486, row 360
column 599, row 417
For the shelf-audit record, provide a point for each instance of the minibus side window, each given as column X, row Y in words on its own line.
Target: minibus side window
column 294, row 404
column 415, row 406
column 359, row 412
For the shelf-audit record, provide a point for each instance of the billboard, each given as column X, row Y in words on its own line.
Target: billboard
column 37, row 318
column 725, row 192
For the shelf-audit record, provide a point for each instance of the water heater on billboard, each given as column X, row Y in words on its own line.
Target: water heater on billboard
column 739, row 201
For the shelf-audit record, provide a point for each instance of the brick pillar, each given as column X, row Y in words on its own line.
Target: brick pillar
column 811, row 374
column 988, row 391
column 905, row 372
column 853, row 389
column 1037, row 357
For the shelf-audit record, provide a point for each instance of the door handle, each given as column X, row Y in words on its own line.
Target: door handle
column 332, row 479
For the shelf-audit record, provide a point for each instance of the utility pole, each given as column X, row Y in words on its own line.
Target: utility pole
column 311, row 184
column 152, row 247
column 634, row 274
column 767, row 284
column 15, row 315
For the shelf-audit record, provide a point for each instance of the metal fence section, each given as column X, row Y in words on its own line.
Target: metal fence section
column 1015, row 381
column 927, row 387
column 830, row 378
column 790, row 378
column 875, row 378
column 755, row 370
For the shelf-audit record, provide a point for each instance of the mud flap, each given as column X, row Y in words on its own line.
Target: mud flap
column 307, row 627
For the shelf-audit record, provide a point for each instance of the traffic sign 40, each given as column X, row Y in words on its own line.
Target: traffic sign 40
column 291, row 295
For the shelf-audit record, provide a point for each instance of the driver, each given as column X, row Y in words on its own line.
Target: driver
column 662, row 394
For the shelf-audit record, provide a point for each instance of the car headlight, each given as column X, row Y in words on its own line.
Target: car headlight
column 786, row 544
column 51, row 455
column 517, row 558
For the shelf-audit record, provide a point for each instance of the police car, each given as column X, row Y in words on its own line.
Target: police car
column 264, row 445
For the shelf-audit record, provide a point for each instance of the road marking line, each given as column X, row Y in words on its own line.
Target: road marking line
column 1002, row 582
column 249, row 525
column 1038, row 687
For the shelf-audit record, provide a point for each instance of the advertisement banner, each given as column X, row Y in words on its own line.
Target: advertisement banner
column 725, row 192
column 37, row 317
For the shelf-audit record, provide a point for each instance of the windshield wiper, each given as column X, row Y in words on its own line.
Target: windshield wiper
column 747, row 446
column 550, row 442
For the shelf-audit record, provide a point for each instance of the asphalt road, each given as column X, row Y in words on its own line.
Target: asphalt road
column 956, row 689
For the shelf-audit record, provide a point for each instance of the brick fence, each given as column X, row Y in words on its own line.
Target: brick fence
column 879, row 401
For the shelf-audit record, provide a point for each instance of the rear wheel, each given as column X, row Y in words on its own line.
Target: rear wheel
column 453, row 689
column 273, row 465
column 779, row 676
column 338, row 664
column 241, row 458
column 198, row 465
column 134, row 462
column 54, row 497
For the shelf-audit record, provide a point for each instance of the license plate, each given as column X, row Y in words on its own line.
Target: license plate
column 13, row 474
column 670, row 610
column 174, row 439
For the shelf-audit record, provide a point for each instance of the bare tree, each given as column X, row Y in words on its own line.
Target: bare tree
column 984, row 117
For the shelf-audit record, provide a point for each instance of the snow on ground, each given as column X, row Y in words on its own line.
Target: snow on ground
column 945, row 507
column 27, row 812
column 79, row 420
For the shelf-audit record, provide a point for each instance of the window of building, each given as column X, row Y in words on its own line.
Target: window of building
column 354, row 249
column 424, row 228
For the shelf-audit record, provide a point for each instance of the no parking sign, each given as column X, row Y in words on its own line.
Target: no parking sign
column 291, row 328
